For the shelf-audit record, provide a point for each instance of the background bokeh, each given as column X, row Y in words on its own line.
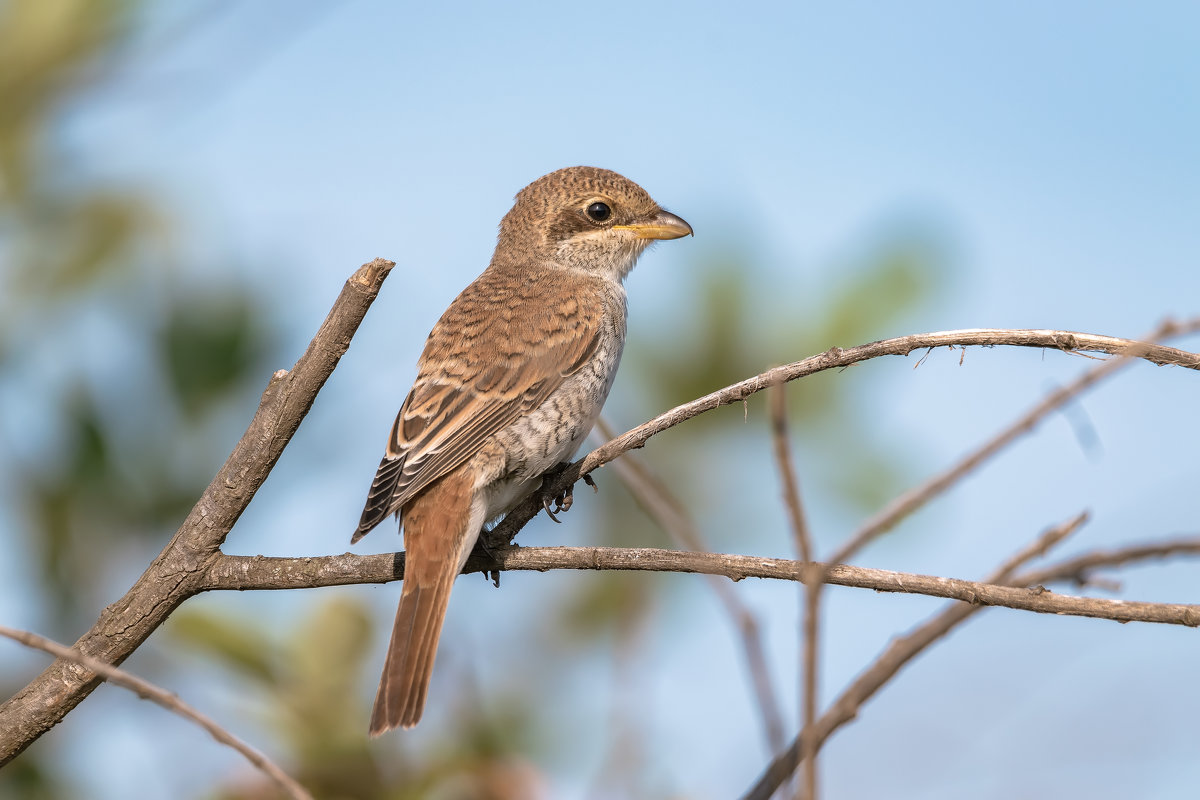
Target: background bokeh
column 184, row 187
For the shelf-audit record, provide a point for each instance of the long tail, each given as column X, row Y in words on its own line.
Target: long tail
column 439, row 530
column 409, row 664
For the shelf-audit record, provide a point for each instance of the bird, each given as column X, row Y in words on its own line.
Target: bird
column 511, row 379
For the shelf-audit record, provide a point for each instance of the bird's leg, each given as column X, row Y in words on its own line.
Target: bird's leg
column 484, row 545
column 562, row 501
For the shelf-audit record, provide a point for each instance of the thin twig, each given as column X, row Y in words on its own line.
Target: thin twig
column 1038, row 548
column 908, row 502
column 801, row 537
column 813, row 582
column 1078, row 569
column 898, row 653
column 652, row 494
column 148, row 691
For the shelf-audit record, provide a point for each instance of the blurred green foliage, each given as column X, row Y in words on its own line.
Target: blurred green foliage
column 99, row 480
column 58, row 239
column 208, row 347
column 306, row 684
column 76, row 254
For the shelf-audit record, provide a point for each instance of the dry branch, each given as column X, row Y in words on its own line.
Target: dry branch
column 171, row 702
column 260, row 572
column 889, row 663
column 175, row 574
column 908, row 502
column 814, row 581
column 664, row 508
column 808, row 744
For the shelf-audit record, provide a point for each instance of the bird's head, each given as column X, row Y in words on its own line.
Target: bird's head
column 584, row 218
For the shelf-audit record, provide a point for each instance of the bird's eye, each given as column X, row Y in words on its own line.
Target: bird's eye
column 599, row 212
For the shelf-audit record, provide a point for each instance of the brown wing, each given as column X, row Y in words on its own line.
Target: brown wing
column 498, row 352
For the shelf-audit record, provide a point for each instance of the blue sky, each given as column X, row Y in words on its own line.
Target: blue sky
column 1054, row 147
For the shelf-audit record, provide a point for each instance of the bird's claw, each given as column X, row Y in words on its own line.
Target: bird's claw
column 565, row 499
column 558, row 505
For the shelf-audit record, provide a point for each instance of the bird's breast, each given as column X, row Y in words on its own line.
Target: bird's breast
column 552, row 433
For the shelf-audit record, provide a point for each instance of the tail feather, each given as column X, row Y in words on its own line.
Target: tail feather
column 440, row 527
column 411, row 654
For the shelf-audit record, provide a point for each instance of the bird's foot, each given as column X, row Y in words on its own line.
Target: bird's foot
column 485, row 546
column 564, row 500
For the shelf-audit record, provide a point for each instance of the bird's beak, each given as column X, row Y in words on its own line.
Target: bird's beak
column 663, row 225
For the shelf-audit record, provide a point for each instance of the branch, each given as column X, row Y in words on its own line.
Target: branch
column 836, row 358
column 260, row 572
column 810, row 740
column 148, row 691
column 911, row 500
column 658, row 502
column 182, row 566
column 1078, row 569
column 901, row 651
column 814, row 581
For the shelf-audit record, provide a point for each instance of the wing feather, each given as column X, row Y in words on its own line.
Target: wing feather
column 497, row 353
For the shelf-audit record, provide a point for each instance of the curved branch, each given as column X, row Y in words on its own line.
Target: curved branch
column 912, row 499
column 836, row 358
column 148, row 691
column 174, row 574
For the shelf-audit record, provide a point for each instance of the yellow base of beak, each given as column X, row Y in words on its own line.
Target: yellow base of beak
column 664, row 225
